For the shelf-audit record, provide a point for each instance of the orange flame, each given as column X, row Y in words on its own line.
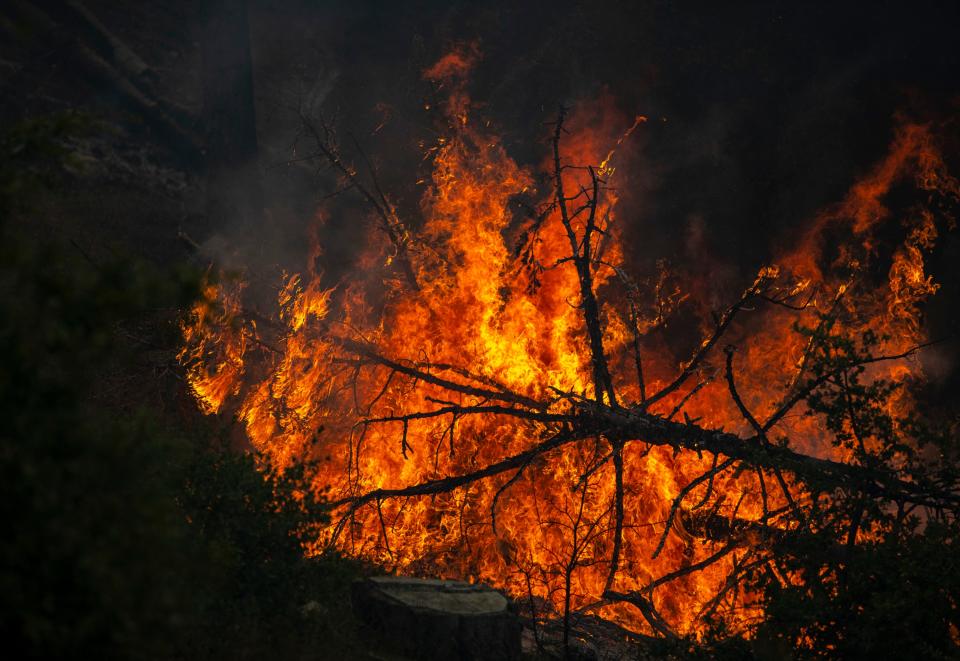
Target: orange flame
column 483, row 315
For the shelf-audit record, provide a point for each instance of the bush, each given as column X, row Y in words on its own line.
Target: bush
column 126, row 535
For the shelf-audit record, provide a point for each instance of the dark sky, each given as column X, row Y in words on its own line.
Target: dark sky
column 772, row 107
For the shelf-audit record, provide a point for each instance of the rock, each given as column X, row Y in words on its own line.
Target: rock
column 429, row 619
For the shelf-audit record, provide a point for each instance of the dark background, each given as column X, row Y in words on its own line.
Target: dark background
column 760, row 114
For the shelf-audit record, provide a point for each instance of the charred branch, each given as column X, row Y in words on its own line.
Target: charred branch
column 723, row 323
column 370, row 353
column 628, row 425
column 389, row 221
column 581, row 253
column 617, row 454
column 646, row 608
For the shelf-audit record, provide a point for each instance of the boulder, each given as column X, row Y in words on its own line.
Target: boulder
column 429, row 619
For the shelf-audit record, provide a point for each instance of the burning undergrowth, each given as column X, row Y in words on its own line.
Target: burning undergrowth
column 495, row 396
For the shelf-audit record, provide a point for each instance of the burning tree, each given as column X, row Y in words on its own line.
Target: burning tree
column 494, row 397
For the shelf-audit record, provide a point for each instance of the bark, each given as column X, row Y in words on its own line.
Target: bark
column 620, row 425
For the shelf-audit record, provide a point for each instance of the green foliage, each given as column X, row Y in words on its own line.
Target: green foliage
column 86, row 494
column 264, row 597
column 861, row 578
column 34, row 154
column 127, row 536
column 892, row 598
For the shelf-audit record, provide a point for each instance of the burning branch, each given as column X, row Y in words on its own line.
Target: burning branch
column 580, row 250
column 723, row 323
column 327, row 148
column 636, row 425
column 523, row 373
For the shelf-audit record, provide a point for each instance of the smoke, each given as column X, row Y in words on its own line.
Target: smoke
column 759, row 115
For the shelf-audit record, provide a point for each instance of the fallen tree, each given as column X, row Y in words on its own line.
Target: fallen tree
column 816, row 519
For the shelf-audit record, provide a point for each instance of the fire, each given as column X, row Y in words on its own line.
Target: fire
column 498, row 311
column 215, row 347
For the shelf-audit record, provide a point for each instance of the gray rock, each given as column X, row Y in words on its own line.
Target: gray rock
column 429, row 619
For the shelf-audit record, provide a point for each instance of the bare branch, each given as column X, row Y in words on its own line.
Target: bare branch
column 473, row 410
column 496, row 497
column 686, row 571
column 369, row 352
column 617, row 453
column 389, row 222
column 683, row 494
column 603, row 383
column 722, row 324
column 646, row 608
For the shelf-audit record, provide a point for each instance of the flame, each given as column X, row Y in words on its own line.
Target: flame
column 488, row 312
column 215, row 345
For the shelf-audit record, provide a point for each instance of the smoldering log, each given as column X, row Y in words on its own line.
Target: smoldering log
column 434, row 619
